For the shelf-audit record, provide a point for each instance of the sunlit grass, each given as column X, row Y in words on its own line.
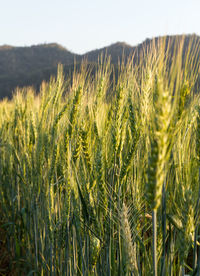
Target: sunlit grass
column 101, row 177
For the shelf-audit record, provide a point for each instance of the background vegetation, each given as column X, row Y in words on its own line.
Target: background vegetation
column 102, row 177
column 29, row 66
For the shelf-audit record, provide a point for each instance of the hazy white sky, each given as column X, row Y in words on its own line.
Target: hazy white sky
column 83, row 25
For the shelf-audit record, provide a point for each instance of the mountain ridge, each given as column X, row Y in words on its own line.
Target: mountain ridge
column 30, row 65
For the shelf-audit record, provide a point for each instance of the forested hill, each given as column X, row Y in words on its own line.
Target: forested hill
column 25, row 66
column 22, row 66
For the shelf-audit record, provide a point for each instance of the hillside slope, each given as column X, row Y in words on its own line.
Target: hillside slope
column 25, row 66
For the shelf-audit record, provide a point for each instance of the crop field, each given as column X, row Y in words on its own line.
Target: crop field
column 101, row 176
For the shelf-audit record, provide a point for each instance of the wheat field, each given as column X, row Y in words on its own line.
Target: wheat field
column 101, row 176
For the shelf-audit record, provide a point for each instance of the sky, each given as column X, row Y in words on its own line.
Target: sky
column 85, row 25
